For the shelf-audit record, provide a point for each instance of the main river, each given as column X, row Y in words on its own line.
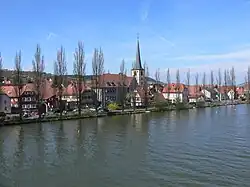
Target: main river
column 199, row 147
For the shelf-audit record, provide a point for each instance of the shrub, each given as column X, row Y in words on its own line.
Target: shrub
column 113, row 106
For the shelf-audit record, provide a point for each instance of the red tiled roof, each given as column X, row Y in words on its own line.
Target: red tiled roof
column 29, row 87
column 194, row 91
column 223, row 89
column 10, row 90
column 173, row 88
column 114, row 80
column 46, row 90
column 72, row 89
column 240, row 90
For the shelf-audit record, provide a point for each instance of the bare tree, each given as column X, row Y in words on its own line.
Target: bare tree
column 98, row 69
column 232, row 76
column 196, row 84
column 168, row 82
column 225, row 78
column 145, row 85
column 225, row 81
column 248, row 83
column 123, row 82
column 233, row 81
column 188, row 78
column 219, row 82
column 157, row 76
column 219, row 78
column 157, row 79
column 229, row 80
column 60, row 70
column 146, row 70
column 204, row 81
column 39, row 79
column 212, row 78
column 178, row 84
column 18, row 81
column 79, row 72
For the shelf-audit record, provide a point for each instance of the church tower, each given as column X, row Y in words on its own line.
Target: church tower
column 137, row 71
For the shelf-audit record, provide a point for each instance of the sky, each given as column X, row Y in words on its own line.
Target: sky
column 202, row 35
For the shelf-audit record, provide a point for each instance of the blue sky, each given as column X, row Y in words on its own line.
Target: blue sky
column 196, row 34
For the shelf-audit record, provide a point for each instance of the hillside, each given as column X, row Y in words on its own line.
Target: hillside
column 28, row 76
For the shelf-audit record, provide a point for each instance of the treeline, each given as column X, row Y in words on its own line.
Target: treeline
column 223, row 78
column 60, row 72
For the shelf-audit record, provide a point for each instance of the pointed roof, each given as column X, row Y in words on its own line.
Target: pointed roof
column 138, row 56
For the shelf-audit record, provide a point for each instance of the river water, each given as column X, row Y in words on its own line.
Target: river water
column 199, row 147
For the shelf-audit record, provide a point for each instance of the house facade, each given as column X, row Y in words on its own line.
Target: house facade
column 29, row 98
column 70, row 96
column 210, row 93
column 175, row 93
column 5, row 103
column 115, row 87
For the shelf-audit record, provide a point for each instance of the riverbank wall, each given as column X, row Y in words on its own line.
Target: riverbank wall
column 114, row 113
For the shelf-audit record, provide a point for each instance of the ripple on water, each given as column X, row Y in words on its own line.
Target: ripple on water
column 207, row 147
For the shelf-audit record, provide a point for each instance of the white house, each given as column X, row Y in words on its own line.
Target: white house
column 230, row 94
column 138, row 98
column 174, row 92
column 5, row 103
column 211, row 93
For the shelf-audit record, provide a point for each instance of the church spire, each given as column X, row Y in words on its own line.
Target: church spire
column 138, row 55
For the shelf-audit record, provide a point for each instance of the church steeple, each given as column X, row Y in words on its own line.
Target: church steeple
column 138, row 55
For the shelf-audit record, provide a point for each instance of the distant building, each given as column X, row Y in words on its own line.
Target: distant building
column 137, row 71
column 114, row 88
column 175, row 92
column 5, row 103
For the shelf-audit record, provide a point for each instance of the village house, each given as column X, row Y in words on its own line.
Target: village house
column 210, row 93
column 137, row 97
column 49, row 95
column 195, row 94
column 5, row 103
column 227, row 92
column 114, row 88
column 12, row 92
column 28, row 97
column 70, row 96
column 175, row 92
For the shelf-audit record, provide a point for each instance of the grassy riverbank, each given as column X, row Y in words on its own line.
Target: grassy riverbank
column 157, row 108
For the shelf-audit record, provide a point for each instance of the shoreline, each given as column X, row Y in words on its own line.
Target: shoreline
column 114, row 113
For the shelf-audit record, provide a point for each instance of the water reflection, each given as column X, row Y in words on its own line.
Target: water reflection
column 153, row 149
